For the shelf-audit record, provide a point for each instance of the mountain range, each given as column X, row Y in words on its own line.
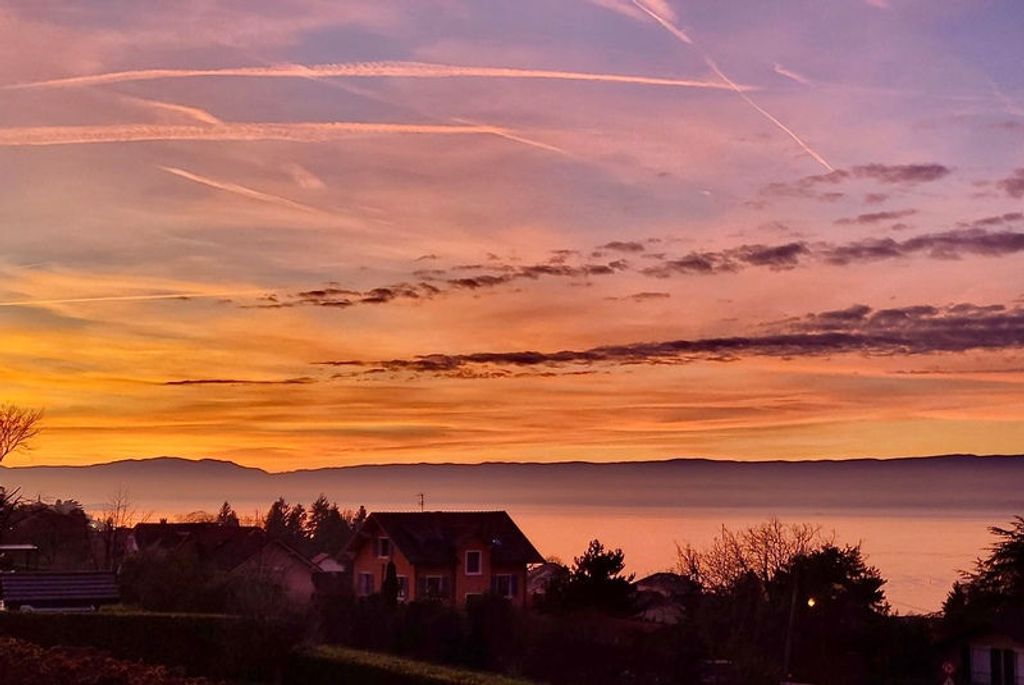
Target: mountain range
column 169, row 485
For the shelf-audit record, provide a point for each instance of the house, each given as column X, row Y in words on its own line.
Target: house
column 236, row 550
column 451, row 556
column 994, row 655
column 661, row 597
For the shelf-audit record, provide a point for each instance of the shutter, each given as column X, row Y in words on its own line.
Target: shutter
column 421, row 587
column 513, row 585
column 445, row 586
column 996, row 666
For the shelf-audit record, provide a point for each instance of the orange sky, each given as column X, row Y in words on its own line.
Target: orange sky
column 734, row 236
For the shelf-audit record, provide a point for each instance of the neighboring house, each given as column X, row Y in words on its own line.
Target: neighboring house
column 993, row 657
column 278, row 563
column 660, row 597
column 541, row 577
column 450, row 556
column 238, row 550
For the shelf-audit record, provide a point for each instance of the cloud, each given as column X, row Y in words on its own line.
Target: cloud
column 304, row 132
column 1014, row 184
column 304, row 380
column 621, row 246
column 946, row 245
column 370, row 70
column 125, row 298
column 889, row 174
column 876, row 217
column 924, row 329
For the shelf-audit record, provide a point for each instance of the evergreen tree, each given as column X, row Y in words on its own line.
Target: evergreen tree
column 276, row 522
column 227, row 516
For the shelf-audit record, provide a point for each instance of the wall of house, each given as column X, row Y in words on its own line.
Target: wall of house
column 367, row 561
column 279, row 566
column 981, row 673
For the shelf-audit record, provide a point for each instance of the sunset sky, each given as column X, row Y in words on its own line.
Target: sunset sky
column 301, row 233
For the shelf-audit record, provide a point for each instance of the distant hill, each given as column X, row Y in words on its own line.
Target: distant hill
column 170, row 484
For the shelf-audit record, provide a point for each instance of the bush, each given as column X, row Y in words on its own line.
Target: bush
column 21, row 662
column 341, row 665
column 226, row 647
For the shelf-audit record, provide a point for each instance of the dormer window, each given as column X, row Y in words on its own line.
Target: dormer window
column 383, row 548
column 474, row 562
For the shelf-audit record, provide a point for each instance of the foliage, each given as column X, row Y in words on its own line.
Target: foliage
column 323, row 528
column 994, row 590
column 226, row 516
column 22, row 662
column 226, row 647
column 595, row 582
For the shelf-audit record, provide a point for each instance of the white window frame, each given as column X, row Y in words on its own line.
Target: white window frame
column 381, row 539
column 479, row 563
column 365, row 584
column 511, row 577
column 403, row 588
column 440, row 585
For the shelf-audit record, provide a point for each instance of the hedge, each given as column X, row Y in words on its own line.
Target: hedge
column 223, row 647
column 324, row 664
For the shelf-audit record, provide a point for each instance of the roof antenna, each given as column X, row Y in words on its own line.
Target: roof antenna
column 420, row 495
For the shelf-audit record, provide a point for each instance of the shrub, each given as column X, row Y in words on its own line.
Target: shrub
column 21, row 662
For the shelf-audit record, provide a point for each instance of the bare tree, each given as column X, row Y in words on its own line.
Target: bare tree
column 118, row 516
column 18, row 425
column 761, row 551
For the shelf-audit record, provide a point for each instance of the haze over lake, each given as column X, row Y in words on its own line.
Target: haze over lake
column 920, row 520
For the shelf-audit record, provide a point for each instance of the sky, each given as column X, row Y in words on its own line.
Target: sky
column 302, row 233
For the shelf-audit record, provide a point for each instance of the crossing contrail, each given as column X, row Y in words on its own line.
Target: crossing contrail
column 368, row 70
column 244, row 191
column 303, row 132
column 681, row 36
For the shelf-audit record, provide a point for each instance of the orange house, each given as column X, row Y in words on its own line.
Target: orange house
column 445, row 555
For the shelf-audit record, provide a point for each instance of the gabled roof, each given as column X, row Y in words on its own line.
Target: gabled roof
column 434, row 538
column 59, row 589
column 224, row 546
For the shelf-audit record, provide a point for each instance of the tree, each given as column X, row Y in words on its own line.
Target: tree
column 996, row 585
column 756, row 553
column 275, row 523
column 389, row 588
column 18, row 425
column 595, row 582
column 227, row 516
column 326, row 528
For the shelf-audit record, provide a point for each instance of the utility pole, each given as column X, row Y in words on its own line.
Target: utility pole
column 421, row 497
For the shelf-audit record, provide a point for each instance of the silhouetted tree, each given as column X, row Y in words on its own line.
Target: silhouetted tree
column 18, row 425
column 326, row 528
column 227, row 516
column 995, row 588
column 276, row 521
column 389, row 588
column 595, row 582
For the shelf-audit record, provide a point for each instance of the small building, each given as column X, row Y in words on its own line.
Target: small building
column 994, row 658
column 236, row 550
column 450, row 556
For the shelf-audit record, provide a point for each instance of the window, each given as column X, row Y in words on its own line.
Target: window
column 383, row 548
column 365, row 584
column 505, row 585
column 1002, row 663
column 403, row 588
column 474, row 562
column 434, row 586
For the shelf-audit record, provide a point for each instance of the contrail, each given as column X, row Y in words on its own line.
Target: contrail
column 126, row 298
column 194, row 113
column 369, row 70
column 792, row 75
column 237, row 189
column 312, row 132
column 682, row 37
